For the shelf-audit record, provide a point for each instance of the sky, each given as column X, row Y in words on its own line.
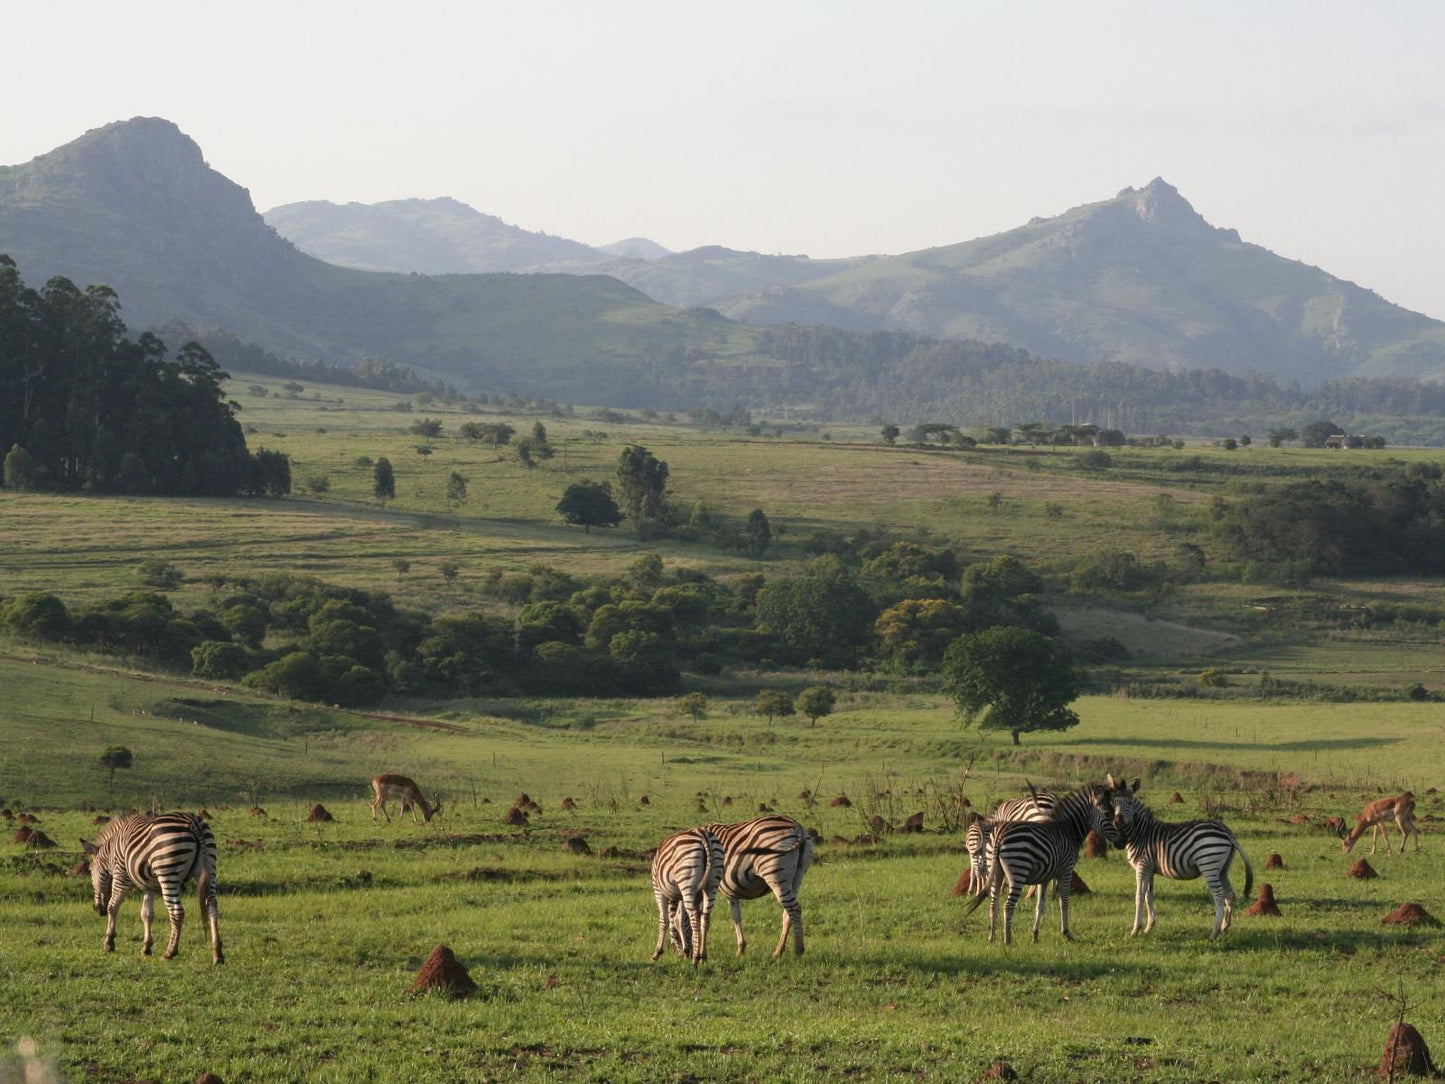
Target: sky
column 825, row 127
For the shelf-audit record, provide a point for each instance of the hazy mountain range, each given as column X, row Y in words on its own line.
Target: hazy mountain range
column 1139, row 278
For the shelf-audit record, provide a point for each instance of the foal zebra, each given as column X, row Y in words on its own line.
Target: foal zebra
column 1038, row 806
column 1037, row 852
column 1182, row 851
column 686, row 872
column 155, row 853
column 768, row 854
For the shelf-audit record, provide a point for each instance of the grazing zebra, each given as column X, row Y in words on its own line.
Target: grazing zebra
column 768, row 854
column 686, row 872
column 155, row 853
column 1182, row 851
column 1037, row 852
column 1038, row 806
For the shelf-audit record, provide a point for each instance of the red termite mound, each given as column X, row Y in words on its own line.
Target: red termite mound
column 961, row 886
column 1363, row 870
column 1000, row 1070
column 1410, row 914
column 841, row 800
column 1405, row 1052
column 1176, row 798
column 1077, row 887
column 319, row 814
column 1274, row 861
column 1095, row 846
column 1265, row 905
column 443, row 971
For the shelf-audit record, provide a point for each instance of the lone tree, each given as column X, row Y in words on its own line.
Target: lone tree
column 758, row 533
column 641, row 483
column 115, row 756
column 456, row 489
column 589, row 504
column 19, row 469
column 774, row 703
column 815, row 702
column 889, row 433
column 383, row 481
column 693, row 704
column 1009, row 678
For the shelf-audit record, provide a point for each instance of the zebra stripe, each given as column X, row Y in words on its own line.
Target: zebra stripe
column 1181, row 850
column 1037, row 852
column 155, row 853
column 770, row 854
column 686, row 872
column 1038, row 806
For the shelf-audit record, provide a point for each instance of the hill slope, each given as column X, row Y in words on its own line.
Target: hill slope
column 134, row 206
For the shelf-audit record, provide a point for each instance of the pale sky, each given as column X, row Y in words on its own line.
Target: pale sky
column 1316, row 128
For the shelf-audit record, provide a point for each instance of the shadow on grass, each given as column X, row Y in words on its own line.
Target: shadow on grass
column 1322, row 745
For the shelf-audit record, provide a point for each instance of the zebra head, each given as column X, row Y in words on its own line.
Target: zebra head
column 1127, row 811
column 1101, row 812
column 100, row 878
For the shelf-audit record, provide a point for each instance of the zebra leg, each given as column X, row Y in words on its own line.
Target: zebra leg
column 705, row 903
column 206, row 891
column 992, row 910
column 662, row 918
column 1149, row 901
column 1014, row 892
column 1223, row 893
column 1062, row 888
column 112, row 908
column 1040, row 906
column 735, row 909
column 177, row 914
column 147, row 916
column 1138, row 900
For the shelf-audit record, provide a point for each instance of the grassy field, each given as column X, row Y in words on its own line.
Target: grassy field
column 326, row 924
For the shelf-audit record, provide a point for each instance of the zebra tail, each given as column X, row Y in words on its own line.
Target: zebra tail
column 995, row 877
column 1248, row 870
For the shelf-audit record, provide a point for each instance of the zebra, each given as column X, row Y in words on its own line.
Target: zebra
column 686, row 872
column 1038, row 806
column 1182, row 851
column 767, row 854
column 1037, row 852
column 155, row 853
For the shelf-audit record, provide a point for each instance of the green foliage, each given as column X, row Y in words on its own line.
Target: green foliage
column 456, row 489
column 38, row 616
column 1011, row 679
column 758, row 532
column 589, row 504
column 1316, row 433
column 815, row 702
column 823, row 617
column 220, row 659
column 19, row 469
column 426, row 427
column 693, row 704
column 915, row 633
column 383, row 481
column 774, row 704
column 641, row 483
column 160, row 574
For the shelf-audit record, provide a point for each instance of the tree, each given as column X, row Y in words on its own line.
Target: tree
column 115, row 756
column 1008, row 678
column 774, row 703
column 890, row 433
column 758, row 533
column 641, row 483
column 426, row 427
column 456, row 489
column 589, row 504
column 383, row 481
column 693, row 704
column 19, row 469
column 815, row 702
column 1282, row 435
column 1315, row 434
column 822, row 617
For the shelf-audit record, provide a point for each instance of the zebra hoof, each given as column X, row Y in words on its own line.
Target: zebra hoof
column 145, row 950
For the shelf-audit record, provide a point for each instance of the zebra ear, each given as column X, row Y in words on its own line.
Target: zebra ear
column 90, row 848
column 1134, row 786
column 1109, row 781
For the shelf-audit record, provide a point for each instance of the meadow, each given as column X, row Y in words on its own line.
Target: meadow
column 326, row 924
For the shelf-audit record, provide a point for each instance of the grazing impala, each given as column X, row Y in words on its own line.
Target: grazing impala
column 404, row 790
column 1377, row 816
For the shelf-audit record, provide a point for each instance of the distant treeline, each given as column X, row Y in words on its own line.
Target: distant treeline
column 82, row 405
column 233, row 354
column 902, row 377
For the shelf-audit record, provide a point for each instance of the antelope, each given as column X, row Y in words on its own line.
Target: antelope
column 1376, row 817
column 403, row 790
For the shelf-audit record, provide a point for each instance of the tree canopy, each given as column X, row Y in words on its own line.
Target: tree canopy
column 1009, row 678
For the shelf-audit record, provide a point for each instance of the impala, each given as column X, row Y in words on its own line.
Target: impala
column 404, row 790
column 1376, row 817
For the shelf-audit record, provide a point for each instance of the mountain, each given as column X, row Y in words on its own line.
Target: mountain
column 429, row 236
column 1141, row 278
column 635, row 248
column 134, row 206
